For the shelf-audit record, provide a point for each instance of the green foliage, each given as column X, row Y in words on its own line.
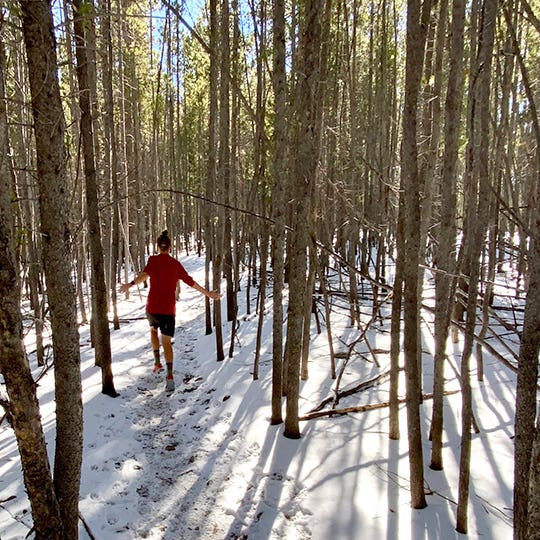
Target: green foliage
column 87, row 9
column 14, row 10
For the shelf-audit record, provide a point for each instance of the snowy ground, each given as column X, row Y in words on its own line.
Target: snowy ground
column 205, row 462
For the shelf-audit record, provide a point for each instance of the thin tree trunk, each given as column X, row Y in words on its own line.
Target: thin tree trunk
column 527, row 447
column 123, row 204
column 279, row 83
column 211, row 166
column 306, row 147
column 262, row 303
column 223, row 176
column 100, row 319
column 478, row 217
column 259, row 167
column 395, row 327
column 445, row 258
column 232, row 255
column 411, row 191
column 463, row 265
column 111, row 151
column 308, row 310
column 81, row 277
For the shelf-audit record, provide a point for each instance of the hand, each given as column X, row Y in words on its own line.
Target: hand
column 215, row 295
column 124, row 287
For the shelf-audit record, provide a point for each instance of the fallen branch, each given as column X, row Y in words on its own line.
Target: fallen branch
column 349, row 392
column 506, row 517
column 480, row 340
column 87, row 527
column 364, row 408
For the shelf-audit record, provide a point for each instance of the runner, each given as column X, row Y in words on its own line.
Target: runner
column 164, row 272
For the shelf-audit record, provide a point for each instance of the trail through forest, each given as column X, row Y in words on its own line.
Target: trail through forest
column 321, row 153
column 204, row 462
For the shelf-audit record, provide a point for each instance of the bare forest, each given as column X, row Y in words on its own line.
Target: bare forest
column 327, row 149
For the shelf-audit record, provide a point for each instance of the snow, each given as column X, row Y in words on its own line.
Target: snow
column 204, row 462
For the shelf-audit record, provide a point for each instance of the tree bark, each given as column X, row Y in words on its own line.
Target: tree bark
column 279, row 83
column 111, row 153
column 210, row 187
column 306, row 155
column 395, row 326
column 533, row 525
column 24, row 406
column 478, row 206
column 223, row 165
column 100, row 319
column 445, row 258
column 415, row 42
column 234, row 196
column 527, row 447
column 54, row 205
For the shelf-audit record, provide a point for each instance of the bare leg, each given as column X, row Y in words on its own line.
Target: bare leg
column 154, row 338
column 168, row 353
column 167, row 349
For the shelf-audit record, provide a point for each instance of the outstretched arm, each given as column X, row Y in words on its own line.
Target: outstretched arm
column 142, row 276
column 214, row 295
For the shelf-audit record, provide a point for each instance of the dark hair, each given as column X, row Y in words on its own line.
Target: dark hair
column 164, row 241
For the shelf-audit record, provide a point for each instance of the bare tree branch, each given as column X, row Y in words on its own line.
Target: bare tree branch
column 364, row 408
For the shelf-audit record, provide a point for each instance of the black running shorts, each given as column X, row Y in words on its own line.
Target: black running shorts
column 165, row 323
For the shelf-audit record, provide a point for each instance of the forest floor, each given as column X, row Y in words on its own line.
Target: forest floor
column 205, row 463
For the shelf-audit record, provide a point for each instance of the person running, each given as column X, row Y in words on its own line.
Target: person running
column 164, row 272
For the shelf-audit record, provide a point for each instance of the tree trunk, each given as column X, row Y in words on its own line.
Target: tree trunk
column 232, row 239
column 53, row 205
column 395, row 328
column 478, row 207
column 24, row 406
column 416, row 33
column 279, row 83
column 308, row 116
column 444, row 258
column 111, row 154
column 223, row 164
column 308, row 310
column 212, row 159
column 124, row 202
column 262, row 303
column 100, row 319
column 533, row 525
column 527, row 447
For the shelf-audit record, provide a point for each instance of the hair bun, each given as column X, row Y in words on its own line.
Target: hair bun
column 164, row 241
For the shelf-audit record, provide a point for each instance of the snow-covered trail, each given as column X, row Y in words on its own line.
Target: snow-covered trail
column 179, row 466
column 205, row 463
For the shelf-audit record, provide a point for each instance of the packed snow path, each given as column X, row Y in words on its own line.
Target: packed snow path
column 178, row 466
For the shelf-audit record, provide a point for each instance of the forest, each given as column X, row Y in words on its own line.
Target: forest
column 325, row 149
